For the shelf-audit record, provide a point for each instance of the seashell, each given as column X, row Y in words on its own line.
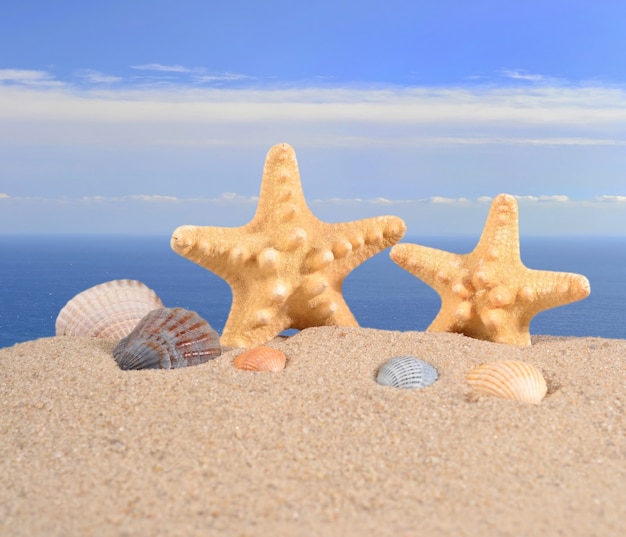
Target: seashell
column 406, row 372
column 109, row 310
column 168, row 338
column 261, row 359
column 509, row 379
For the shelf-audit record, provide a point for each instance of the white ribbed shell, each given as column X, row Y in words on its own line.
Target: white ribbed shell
column 406, row 372
column 109, row 310
column 509, row 379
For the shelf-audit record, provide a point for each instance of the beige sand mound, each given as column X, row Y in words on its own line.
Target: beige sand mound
column 318, row 449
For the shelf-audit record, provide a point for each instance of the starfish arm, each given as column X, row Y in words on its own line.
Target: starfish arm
column 353, row 243
column 436, row 268
column 500, row 236
column 252, row 320
column 447, row 274
column 216, row 249
column 330, row 310
column 542, row 290
column 497, row 324
column 281, row 199
column 341, row 315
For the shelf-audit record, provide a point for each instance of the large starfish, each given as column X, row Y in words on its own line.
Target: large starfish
column 489, row 293
column 285, row 267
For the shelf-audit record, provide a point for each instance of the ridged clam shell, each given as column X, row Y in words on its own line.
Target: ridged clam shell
column 509, row 379
column 406, row 372
column 109, row 310
column 168, row 338
column 261, row 359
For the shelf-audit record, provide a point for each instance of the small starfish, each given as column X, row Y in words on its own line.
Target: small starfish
column 285, row 267
column 489, row 294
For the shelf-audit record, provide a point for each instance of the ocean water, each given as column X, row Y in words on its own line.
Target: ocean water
column 40, row 274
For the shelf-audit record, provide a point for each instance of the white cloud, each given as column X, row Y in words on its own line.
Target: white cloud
column 561, row 141
column 607, row 198
column 28, row 77
column 232, row 197
column 560, row 199
column 237, row 199
column 557, row 198
column 197, row 117
column 166, row 68
column 221, row 77
column 411, row 141
column 520, row 75
column 584, row 107
column 154, row 198
column 225, row 198
column 96, row 77
column 411, row 149
column 157, row 214
column 441, row 200
column 553, row 198
column 338, row 201
column 197, row 75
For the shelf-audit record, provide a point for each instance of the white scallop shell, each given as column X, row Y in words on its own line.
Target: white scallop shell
column 509, row 379
column 168, row 338
column 406, row 372
column 109, row 310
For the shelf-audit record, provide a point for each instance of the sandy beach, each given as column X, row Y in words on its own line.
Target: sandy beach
column 317, row 449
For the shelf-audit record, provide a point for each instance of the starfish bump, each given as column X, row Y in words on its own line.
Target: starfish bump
column 489, row 294
column 285, row 267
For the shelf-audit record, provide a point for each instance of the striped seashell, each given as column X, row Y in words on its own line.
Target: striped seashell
column 168, row 338
column 261, row 359
column 509, row 379
column 406, row 372
column 109, row 310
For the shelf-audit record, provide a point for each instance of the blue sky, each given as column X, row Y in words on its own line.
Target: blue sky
column 136, row 117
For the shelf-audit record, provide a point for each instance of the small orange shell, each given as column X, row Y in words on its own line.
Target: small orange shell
column 261, row 359
column 509, row 379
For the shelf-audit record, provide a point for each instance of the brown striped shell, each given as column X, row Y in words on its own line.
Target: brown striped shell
column 261, row 359
column 109, row 310
column 510, row 379
column 168, row 338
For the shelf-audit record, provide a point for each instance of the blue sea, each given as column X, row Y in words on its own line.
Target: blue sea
column 40, row 274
